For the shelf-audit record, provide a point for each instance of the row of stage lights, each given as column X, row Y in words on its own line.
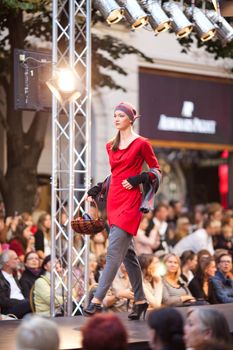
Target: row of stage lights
column 171, row 15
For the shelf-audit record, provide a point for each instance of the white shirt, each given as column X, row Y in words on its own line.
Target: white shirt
column 195, row 241
column 15, row 291
column 161, row 226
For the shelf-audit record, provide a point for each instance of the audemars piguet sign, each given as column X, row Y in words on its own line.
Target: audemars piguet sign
column 186, row 108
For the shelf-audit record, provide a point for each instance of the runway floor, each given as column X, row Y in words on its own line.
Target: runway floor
column 70, row 335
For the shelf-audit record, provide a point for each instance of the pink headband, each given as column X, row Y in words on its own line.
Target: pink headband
column 127, row 109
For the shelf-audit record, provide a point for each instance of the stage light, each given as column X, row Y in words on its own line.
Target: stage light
column 64, row 85
column 158, row 19
column 223, row 29
column 180, row 23
column 204, row 27
column 134, row 14
column 110, row 10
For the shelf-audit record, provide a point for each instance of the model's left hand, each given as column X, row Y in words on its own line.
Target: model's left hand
column 126, row 185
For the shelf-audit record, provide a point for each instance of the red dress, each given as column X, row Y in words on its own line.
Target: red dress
column 123, row 205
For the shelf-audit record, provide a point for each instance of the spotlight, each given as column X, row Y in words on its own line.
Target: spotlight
column 204, row 27
column 180, row 24
column 111, row 11
column 64, row 85
column 156, row 16
column 223, row 28
column 134, row 14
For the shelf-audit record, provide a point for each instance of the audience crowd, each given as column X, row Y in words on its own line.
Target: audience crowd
column 185, row 257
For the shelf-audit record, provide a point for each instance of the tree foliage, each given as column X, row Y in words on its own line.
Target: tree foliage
column 22, row 21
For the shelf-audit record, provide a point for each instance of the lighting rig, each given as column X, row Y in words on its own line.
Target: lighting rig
column 163, row 15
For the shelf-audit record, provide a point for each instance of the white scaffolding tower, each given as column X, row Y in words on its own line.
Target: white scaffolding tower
column 71, row 126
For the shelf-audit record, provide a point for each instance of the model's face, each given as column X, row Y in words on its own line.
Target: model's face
column 33, row 261
column 172, row 265
column 211, row 269
column 121, row 120
column 194, row 333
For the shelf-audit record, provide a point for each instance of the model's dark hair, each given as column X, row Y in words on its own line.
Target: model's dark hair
column 168, row 326
column 115, row 142
column 218, row 259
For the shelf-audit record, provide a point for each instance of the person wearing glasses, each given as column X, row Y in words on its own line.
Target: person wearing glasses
column 31, row 273
column 222, row 284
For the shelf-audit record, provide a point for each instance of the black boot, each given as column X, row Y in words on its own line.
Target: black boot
column 92, row 309
column 138, row 310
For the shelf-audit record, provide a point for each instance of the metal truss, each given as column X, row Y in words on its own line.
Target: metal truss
column 71, row 125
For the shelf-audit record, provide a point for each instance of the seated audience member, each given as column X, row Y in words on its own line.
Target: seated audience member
column 200, row 239
column 37, row 333
column 204, row 324
column 3, row 229
column 200, row 286
column 213, row 345
column 165, row 231
column 122, row 289
column 221, row 283
column 152, row 282
column 175, row 292
column 183, row 228
column 225, row 239
column 12, row 300
column 202, row 254
column 198, row 217
column 23, row 241
column 104, row 332
column 145, row 244
column 31, row 273
column 166, row 329
column 215, row 211
column 42, row 236
column 42, row 289
column 188, row 265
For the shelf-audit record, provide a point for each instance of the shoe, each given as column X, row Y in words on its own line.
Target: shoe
column 138, row 310
column 92, row 309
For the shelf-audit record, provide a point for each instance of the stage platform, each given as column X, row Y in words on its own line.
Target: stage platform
column 70, row 335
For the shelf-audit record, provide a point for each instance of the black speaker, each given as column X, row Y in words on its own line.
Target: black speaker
column 31, row 71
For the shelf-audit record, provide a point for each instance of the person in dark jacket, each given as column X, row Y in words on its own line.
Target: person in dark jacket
column 222, row 284
column 200, row 286
column 12, row 300
column 31, row 273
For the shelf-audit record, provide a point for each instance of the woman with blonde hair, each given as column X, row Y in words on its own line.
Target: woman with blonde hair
column 175, row 292
column 205, row 324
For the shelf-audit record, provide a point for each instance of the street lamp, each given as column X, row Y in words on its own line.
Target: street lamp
column 64, row 85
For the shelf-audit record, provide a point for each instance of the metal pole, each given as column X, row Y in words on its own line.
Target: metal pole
column 54, row 165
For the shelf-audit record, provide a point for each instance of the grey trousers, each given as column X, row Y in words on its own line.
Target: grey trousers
column 120, row 249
